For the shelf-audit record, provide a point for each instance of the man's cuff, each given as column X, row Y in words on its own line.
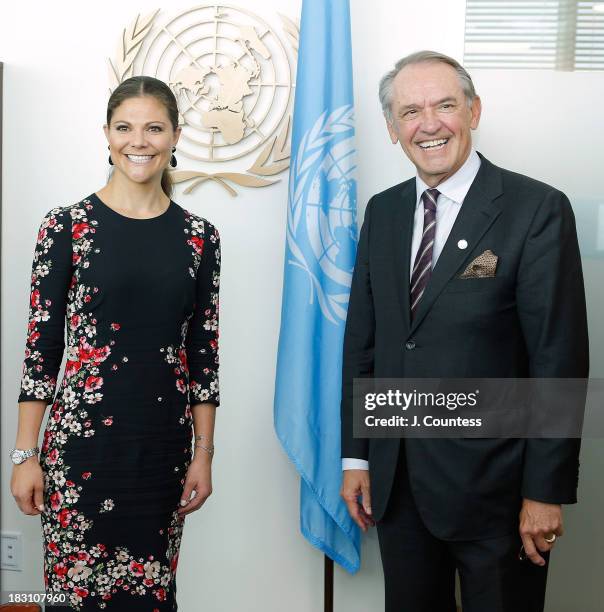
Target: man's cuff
column 354, row 464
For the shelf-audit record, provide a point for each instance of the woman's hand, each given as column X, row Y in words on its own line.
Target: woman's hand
column 198, row 480
column 27, row 486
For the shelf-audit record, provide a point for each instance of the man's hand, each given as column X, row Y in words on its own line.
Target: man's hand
column 355, row 484
column 539, row 521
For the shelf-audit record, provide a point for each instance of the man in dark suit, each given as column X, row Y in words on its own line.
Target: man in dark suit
column 488, row 508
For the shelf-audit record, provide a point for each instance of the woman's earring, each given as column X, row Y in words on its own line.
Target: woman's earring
column 173, row 161
column 110, row 160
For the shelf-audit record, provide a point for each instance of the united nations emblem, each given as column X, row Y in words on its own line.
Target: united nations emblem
column 231, row 74
column 321, row 220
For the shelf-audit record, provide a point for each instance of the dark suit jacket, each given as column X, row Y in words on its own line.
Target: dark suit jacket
column 528, row 321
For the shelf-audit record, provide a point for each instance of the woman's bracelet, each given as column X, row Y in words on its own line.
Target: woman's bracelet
column 209, row 448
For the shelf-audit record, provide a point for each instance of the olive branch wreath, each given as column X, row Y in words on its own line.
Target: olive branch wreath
column 274, row 156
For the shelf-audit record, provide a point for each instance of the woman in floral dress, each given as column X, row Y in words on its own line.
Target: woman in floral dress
column 125, row 286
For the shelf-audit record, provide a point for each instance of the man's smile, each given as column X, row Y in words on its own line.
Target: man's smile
column 433, row 144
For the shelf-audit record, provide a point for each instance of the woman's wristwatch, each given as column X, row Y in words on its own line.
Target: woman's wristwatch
column 19, row 456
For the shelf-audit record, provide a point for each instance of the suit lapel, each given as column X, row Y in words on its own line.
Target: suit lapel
column 478, row 211
column 403, row 228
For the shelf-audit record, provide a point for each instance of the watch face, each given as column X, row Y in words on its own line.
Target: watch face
column 16, row 456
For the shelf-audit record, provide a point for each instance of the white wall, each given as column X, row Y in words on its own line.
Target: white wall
column 243, row 551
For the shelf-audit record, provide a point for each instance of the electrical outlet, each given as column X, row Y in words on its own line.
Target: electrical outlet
column 11, row 551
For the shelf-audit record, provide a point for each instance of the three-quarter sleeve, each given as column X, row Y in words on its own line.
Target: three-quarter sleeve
column 50, row 279
column 202, row 335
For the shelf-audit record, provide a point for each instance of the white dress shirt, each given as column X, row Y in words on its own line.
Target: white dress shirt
column 452, row 194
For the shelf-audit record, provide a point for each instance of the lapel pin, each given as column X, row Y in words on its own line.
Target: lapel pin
column 462, row 244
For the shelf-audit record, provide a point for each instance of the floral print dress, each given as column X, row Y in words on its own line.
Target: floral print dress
column 132, row 305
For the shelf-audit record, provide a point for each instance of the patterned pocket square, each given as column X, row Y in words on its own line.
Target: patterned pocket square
column 483, row 266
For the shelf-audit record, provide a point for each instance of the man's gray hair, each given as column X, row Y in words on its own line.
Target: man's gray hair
column 421, row 57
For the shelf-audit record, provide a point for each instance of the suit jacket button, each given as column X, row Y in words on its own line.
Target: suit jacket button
column 410, row 345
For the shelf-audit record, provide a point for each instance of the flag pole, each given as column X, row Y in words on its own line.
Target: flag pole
column 328, row 584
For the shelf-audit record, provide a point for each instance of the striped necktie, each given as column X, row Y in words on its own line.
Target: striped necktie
column 422, row 268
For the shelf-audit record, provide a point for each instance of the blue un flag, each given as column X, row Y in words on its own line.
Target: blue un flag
column 319, row 259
